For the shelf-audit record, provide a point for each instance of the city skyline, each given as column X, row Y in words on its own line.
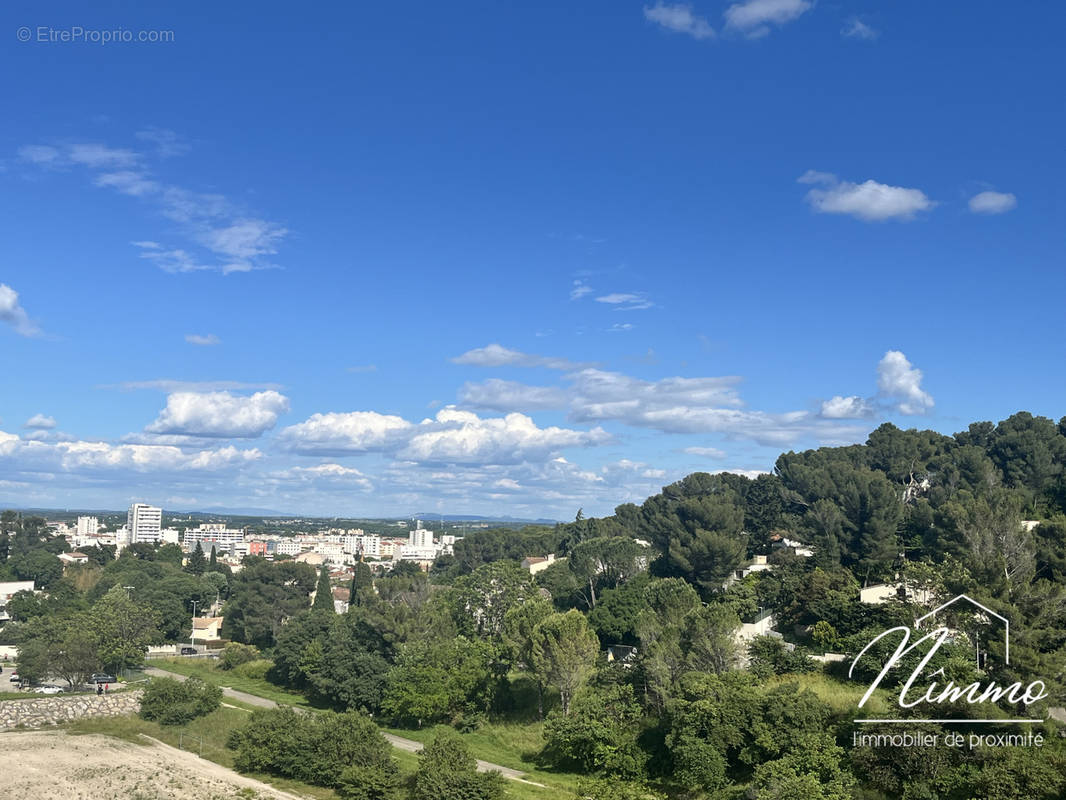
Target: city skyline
column 425, row 268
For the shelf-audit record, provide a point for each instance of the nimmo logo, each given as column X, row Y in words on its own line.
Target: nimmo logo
column 974, row 693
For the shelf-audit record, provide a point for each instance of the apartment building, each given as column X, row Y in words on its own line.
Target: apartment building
column 144, row 523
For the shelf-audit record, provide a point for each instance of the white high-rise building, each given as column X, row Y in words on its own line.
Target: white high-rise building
column 87, row 526
column 420, row 537
column 145, row 523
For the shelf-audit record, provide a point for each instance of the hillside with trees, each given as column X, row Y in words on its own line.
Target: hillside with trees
column 624, row 657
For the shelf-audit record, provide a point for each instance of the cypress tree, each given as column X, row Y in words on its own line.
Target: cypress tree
column 324, row 592
column 362, row 580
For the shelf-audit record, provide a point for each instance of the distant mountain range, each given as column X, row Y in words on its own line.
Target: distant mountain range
column 427, row 516
column 238, row 512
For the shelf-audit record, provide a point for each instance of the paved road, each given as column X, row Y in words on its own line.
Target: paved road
column 244, row 697
column 410, row 745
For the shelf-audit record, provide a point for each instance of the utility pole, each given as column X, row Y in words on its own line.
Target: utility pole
column 192, row 630
column 128, row 590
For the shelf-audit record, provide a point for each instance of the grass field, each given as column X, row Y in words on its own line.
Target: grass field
column 209, row 672
column 509, row 745
column 215, row 728
column 842, row 697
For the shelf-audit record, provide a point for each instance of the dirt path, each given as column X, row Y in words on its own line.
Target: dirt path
column 398, row 742
column 412, row 746
column 54, row 765
column 244, row 697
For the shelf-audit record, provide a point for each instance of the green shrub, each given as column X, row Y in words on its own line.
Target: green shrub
column 599, row 735
column 447, row 771
column 613, row 789
column 171, row 702
column 234, row 654
column 345, row 752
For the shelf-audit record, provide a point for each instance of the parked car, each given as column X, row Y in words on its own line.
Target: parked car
column 188, row 651
column 103, row 677
column 14, row 678
column 48, row 689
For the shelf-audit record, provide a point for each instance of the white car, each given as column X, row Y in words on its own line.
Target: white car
column 47, row 689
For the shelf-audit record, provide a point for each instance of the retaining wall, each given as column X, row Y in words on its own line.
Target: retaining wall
column 55, row 710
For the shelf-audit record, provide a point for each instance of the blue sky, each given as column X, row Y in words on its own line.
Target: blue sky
column 487, row 258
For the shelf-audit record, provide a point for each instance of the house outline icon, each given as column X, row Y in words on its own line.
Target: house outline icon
column 986, row 609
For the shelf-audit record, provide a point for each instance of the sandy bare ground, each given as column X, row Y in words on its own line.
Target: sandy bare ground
column 53, row 765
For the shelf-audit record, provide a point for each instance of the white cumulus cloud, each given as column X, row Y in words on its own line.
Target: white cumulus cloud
column 40, row 421
column 219, row 414
column 85, row 459
column 340, row 433
column 853, row 407
column 870, row 201
column 12, row 312
column 325, row 474
column 463, row 437
column 901, row 382
column 992, row 202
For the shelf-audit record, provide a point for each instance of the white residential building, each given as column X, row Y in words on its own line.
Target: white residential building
column 537, row 564
column 213, row 534
column 370, row 545
column 7, row 589
column 144, row 523
column 287, row 547
column 880, row 593
column 87, row 526
column 420, row 537
column 331, row 550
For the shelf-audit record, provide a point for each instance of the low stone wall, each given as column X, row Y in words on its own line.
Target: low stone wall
column 55, row 710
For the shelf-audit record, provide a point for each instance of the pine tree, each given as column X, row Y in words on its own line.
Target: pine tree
column 213, row 563
column 197, row 562
column 324, row 592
